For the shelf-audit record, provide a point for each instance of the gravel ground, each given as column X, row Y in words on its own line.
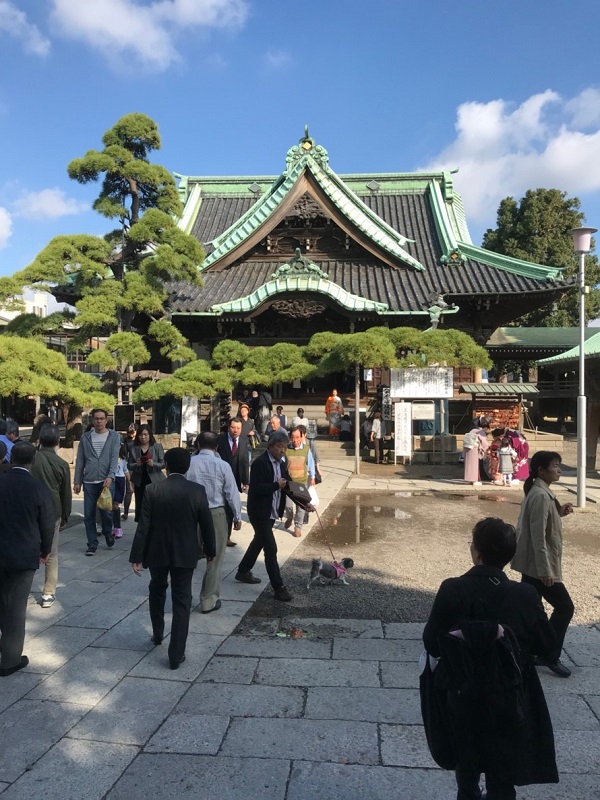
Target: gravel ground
column 406, row 545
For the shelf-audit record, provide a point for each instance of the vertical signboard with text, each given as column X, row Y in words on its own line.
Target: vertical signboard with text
column 403, row 429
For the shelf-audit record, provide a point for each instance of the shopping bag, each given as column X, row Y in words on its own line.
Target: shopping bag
column 314, row 497
column 105, row 502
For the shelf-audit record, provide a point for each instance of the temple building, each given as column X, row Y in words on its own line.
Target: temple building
column 310, row 250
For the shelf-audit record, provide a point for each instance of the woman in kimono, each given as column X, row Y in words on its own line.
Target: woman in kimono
column 334, row 408
column 475, row 450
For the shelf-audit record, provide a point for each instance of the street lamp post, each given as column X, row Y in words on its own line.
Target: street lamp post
column 581, row 244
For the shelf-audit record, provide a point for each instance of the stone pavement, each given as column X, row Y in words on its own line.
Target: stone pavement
column 332, row 713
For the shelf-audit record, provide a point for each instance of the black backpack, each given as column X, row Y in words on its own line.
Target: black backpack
column 481, row 671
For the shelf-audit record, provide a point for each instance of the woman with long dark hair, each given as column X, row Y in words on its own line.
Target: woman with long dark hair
column 146, row 462
column 539, row 548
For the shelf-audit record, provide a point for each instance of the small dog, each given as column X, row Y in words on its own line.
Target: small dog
column 329, row 573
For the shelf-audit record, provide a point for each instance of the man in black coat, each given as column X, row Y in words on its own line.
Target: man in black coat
column 167, row 541
column 266, row 503
column 26, row 532
column 233, row 448
column 520, row 757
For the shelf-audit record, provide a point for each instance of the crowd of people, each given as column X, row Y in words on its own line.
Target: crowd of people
column 503, row 460
column 191, row 512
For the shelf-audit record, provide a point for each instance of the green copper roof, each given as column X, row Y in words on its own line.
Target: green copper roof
column 302, row 158
column 308, row 159
column 538, row 337
column 499, row 389
column 299, row 283
column 591, row 350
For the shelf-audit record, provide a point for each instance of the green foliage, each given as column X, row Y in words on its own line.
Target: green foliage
column 103, row 359
column 172, row 341
column 197, row 379
column 31, row 325
column 229, row 353
column 129, row 349
column 10, row 294
column 119, row 280
column 451, row 348
column 28, row 367
column 80, row 260
column 537, row 229
column 322, row 343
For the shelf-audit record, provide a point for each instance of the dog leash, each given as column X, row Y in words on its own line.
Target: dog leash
column 325, row 536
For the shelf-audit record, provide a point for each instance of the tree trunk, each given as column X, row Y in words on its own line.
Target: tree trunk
column 73, row 423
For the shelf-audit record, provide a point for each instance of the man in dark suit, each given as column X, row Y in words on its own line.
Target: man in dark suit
column 233, row 448
column 167, row 541
column 26, row 532
column 266, row 503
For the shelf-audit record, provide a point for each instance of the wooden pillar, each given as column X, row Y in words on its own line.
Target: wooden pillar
column 593, row 428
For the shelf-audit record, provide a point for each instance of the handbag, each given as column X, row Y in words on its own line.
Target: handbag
column 318, row 476
column 298, row 493
column 435, row 715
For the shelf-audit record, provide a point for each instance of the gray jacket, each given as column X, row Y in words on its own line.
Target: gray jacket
column 91, row 469
column 539, row 534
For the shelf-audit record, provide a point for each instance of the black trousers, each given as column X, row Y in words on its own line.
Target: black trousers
column 560, row 600
column 15, row 586
column 263, row 540
column 181, row 597
column 467, row 781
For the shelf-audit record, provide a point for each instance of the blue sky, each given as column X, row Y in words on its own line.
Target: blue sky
column 508, row 92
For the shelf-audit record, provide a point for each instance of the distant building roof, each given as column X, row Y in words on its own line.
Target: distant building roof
column 538, row 338
column 499, row 389
column 591, row 350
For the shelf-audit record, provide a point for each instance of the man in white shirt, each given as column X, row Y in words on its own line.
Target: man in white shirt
column 208, row 469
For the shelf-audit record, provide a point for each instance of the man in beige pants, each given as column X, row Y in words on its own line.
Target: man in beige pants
column 216, row 475
column 53, row 470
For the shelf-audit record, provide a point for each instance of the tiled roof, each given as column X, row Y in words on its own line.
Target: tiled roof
column 410, row 230
column 499, row 389
column 401, row 290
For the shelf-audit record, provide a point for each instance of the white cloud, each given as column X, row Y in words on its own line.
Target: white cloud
column 124, row 27
column 275, row 59
column 502, row 149
column 16, row 24
column 5, row 227
column 47, row 204
column 585, row 109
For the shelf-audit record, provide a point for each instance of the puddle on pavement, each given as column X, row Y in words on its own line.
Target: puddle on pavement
column 358, row 518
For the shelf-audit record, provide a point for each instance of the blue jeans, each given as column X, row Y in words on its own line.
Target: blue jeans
column 91, row 493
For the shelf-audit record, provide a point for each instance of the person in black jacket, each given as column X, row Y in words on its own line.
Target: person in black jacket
column 167, row 542
column 527, row 756
column 233, row 448
column 26, row 532
column 266, row 503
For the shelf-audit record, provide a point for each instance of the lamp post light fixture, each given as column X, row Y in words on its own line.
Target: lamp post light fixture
column 582, row 242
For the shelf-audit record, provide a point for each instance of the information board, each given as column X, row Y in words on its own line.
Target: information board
column 423, row 410
column 403, row 429
column 435, row 382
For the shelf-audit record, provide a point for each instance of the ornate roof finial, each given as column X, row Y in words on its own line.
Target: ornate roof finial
column 306, row 145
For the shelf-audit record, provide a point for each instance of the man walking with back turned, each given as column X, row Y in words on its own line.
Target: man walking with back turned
column 167, row 541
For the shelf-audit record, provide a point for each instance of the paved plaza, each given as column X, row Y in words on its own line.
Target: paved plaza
column 259, row 713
